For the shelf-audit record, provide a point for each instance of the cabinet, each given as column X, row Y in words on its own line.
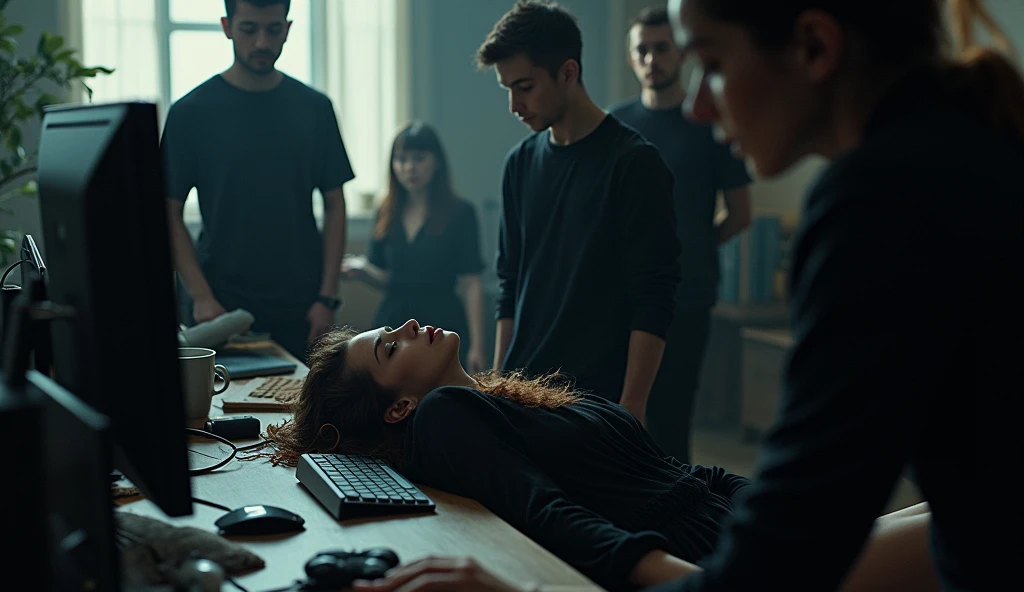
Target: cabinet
column 764, row 356
column 718, row 401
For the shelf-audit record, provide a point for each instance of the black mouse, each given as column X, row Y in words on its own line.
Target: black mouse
column 259, row 520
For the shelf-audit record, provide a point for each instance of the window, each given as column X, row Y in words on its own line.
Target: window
column 347, row 49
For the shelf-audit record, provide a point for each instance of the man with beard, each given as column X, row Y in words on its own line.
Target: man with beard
column 255, row 142
column 701, row 168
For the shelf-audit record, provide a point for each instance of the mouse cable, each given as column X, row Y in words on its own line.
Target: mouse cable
column 211, row 504
column 212, row 436
column 232, row 581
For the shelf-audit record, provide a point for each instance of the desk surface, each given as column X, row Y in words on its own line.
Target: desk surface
column 459, row 527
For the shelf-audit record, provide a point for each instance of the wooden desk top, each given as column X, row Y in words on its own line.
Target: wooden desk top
column 460, row 526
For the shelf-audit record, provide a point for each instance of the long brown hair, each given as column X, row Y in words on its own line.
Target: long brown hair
column 341, row 410
column 440, row 195
column 905, row 33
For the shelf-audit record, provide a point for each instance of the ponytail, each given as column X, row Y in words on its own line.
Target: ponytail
column 989, row 77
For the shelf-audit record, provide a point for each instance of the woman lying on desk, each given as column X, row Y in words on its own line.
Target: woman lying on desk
column 572, row 471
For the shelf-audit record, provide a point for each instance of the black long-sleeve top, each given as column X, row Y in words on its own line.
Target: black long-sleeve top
column 585, row 480
column 587, row 252
column 907, row 303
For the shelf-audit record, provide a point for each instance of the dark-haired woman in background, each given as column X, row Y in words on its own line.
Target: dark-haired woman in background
column 906, row 290
column 425, row 241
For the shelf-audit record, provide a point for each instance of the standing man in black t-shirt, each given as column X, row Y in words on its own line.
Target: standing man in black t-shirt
column 701, row 169
column 587, row 244
column 255, row 143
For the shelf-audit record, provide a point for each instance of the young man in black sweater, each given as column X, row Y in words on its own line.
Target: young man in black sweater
column 701, row 168
column 587, row 244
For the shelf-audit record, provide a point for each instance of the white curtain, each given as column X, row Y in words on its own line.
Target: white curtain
column 122, row 34
column 362, row 56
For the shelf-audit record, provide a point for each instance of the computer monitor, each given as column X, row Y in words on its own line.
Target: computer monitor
column 107, row 242
column 33, row 276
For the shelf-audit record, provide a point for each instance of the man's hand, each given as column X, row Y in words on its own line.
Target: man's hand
column 353, row 267
column 436, row 574
column 206, row 309
column 320, row 318
column 638, row 409
column 475, row 360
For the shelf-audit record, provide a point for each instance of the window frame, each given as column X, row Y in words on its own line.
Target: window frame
column 166, row 27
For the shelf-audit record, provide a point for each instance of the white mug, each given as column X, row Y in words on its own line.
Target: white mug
column 198, row 373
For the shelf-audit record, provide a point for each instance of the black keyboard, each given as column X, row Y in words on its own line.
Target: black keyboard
column 359, row 486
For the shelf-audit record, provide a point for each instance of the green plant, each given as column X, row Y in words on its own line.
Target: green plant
column 22, row 100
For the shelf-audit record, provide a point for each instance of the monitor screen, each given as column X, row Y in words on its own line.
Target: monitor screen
column 107, row 244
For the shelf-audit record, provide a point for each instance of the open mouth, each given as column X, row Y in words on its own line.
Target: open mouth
column 430, row 334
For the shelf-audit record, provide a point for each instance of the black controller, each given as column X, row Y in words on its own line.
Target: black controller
column 331, row 570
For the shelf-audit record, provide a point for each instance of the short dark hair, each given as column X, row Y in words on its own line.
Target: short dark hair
column 544, row 31
column 230, row 6
column 651, row 16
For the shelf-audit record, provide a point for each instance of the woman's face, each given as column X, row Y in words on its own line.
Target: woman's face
column 409, row 360
column 761, row 102
column 414, row 169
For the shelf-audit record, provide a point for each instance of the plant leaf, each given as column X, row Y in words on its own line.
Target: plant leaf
column 8, row 44
column 14, row 138
column 65, row 56
column 12, row 30
column 21, row 110
column 44, row 100
column 53, row 43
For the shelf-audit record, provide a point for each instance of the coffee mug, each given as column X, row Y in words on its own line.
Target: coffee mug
column 198, row 373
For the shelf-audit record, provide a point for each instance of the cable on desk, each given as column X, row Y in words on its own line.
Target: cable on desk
column 211, row 504
column 232, row 581
column 212, row 436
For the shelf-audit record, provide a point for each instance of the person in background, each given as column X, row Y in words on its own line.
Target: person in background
column 701, row 169
column 905, row 288
column 425, row 239
column 587, row 243
column 255, row 143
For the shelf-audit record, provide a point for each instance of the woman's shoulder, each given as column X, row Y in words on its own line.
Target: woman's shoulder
column 450, row 399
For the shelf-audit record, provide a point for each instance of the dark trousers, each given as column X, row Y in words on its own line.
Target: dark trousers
column 670, row 406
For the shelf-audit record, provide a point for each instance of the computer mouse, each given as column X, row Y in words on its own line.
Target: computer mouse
column 259, row 520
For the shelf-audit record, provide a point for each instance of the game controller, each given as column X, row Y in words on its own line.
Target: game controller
column 330, row 570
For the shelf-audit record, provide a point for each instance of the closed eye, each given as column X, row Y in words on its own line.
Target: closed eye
column 391, row 348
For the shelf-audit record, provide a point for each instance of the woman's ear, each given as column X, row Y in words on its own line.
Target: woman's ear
column 400, row 410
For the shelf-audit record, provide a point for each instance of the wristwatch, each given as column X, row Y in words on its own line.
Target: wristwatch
column 331, row 303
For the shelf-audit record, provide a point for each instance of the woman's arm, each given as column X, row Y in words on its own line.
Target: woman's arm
column 658, row 566
column 357, row 267
column 474, row 294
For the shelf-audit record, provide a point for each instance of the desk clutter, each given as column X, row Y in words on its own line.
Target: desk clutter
column 154, row 552
column 273, row 393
